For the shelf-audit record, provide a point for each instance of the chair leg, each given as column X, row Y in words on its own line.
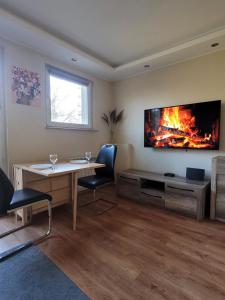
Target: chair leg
column 94, row 195
column 13, row 230
column 90, row 202
column 6, row 254
column 36, row 241
column 16, row 217
column 114, row 204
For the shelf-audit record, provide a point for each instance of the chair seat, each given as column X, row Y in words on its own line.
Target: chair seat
column 93, row 181
column 27, row 196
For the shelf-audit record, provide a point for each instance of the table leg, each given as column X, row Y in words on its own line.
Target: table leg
column 18, row 185
column 74, row 199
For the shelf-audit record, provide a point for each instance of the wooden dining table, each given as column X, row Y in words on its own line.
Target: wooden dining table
column 60, row 182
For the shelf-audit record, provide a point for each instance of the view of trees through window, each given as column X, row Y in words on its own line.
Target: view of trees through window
column 67, row 101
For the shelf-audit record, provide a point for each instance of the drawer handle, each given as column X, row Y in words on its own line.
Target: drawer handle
column 127, row 178
column 151, row 195
column 175, row 188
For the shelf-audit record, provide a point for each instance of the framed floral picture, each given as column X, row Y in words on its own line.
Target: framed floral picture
column 26, row 87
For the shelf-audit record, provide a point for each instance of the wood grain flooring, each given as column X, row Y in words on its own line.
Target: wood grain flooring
column 134, row 251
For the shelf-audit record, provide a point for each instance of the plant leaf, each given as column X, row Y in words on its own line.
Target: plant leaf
column 119, row 117
column 105, row 118
column 112, row 116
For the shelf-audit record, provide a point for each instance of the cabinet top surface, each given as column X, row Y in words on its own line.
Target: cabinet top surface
column 162, row 178
column 220, row 157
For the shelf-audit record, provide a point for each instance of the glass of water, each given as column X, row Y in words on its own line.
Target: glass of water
column 53, row 159
column 88, row 156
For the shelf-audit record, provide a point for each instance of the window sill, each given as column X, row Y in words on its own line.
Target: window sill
column 71, row 128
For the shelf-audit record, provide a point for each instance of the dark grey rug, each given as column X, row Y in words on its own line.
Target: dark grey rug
column 30, row 275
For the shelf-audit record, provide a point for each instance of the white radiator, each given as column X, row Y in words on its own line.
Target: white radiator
column 84, row 173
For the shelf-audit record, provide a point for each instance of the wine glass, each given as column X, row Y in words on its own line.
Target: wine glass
column 53, row 159
column 88, row 156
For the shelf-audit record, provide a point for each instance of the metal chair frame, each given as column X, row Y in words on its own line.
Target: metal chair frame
column 114, row 204
column 19, row 247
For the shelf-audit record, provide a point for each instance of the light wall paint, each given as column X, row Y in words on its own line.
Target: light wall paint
column 198, row 80
column 27, row 137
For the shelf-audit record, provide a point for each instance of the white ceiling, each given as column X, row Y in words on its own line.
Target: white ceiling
column 123, row 34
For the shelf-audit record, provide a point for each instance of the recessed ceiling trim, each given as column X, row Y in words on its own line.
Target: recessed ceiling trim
column 15, row 24
column 189, row 44
column 24, row 33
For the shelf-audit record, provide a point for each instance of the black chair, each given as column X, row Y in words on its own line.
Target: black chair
column 103, row 176
column 11, row 200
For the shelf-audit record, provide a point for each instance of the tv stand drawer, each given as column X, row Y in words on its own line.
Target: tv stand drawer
column 152, row 198
column 184, row 190
column 128, row 187
column 183, row 204
column 128, row 179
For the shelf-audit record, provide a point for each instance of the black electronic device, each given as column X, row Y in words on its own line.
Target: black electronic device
column 169, row 174
column 195, row 174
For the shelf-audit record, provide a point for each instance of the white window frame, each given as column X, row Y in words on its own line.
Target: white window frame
column 76, row 79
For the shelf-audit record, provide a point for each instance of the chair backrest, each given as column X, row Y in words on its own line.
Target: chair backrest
column 107, row 156
column 6, row 192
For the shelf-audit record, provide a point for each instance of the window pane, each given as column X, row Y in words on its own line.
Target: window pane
column 68, row 101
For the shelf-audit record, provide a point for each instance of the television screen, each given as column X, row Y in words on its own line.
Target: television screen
column 191, row 126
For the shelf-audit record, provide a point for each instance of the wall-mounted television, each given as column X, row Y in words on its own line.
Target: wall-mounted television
column 190, row 126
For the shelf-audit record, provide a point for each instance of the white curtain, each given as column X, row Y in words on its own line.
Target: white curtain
column 3, row 159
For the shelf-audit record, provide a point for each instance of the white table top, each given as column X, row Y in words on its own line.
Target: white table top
column 60, row 168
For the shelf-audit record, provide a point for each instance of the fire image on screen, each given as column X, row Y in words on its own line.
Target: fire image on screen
column 191, row 126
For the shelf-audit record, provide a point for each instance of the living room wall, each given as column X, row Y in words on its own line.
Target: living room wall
column 196, row 80
column 28, row 139
column 200, row 79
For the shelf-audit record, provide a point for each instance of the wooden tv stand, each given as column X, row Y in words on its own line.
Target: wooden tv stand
column 174, row 193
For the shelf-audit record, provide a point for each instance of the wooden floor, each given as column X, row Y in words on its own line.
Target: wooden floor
column 136, row 252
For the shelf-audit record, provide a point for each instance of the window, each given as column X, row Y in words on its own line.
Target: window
column 68, row 100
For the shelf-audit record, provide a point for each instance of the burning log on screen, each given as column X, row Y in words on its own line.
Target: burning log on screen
column 168, row 136
column 176, row 131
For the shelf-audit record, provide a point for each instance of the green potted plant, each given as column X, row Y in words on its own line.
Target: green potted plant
column 112, row 120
